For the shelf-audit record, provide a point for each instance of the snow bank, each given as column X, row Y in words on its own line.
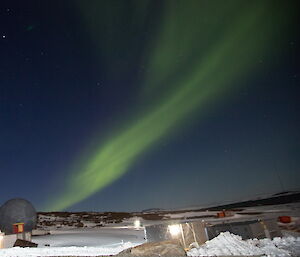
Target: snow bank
column 230, row 244
column 226, row 244
column 286, row 246
column 64, row 251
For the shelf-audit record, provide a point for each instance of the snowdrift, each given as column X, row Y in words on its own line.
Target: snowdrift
column 230, row 244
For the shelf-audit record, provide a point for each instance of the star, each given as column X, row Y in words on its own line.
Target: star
column 3, row 36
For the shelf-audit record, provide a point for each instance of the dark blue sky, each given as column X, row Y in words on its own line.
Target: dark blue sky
column 58, row 90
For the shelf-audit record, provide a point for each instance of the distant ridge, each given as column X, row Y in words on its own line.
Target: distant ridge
column 152, row 210
column 278, row 198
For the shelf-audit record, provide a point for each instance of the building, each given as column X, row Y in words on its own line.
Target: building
column 17, row 220
column 199, row 232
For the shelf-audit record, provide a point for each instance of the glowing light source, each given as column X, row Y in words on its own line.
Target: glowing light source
column 137, row 224
column 174, row 230
column 1, row 239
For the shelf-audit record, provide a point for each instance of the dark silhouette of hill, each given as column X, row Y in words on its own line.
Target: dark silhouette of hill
column 279, row 198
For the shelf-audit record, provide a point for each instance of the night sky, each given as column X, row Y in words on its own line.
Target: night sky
column 129, row 105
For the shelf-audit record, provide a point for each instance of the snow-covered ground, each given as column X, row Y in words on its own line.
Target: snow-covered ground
column 227, row 244
column 64, row 251
column 100, row 237
column 95, row 234
column 80, row 242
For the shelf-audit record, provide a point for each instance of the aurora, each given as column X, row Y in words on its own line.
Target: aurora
column 189, row 71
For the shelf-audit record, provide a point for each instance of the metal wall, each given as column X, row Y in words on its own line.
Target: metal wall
column 200, row 232
column 190, row 232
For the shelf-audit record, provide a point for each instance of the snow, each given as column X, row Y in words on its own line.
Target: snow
column 80, row 242
column 64, row 251
column 102, row 237
column 110, row 241
column 189, row 214
column 225, row 244
column 67, row 239
column 230, row 245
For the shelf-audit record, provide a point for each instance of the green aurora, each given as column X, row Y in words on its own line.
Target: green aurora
column 193, row 63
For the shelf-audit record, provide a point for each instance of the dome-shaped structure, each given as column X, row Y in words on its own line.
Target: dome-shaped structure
column 17, row 211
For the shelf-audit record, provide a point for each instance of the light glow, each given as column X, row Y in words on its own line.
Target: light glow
column 1, row 239
column 174, row 230
column 137, row 224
